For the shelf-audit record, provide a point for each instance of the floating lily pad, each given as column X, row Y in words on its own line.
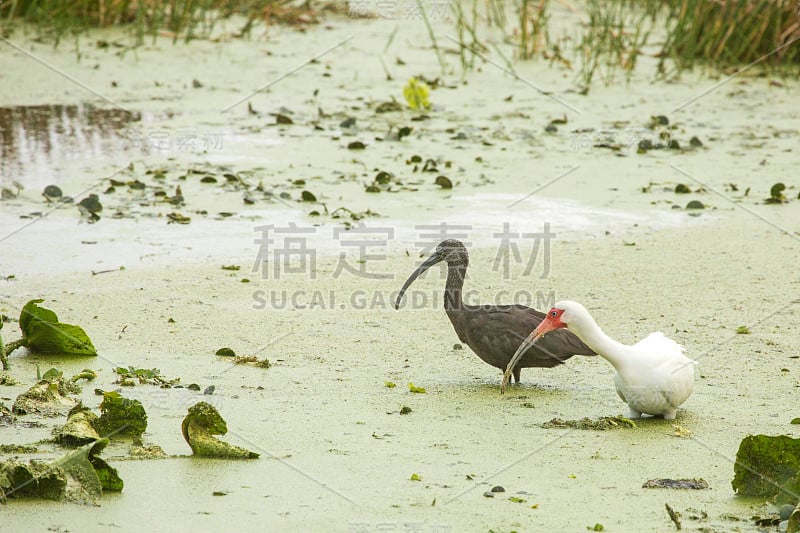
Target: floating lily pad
column 121, row 416
column 743, row 330
column 208, row 179
column 776, row 195
column 43, row 333
column 696, row 142
column 91, row 204
column 695, row 204
column 693, row 484
column 52, row 193
column 199, row 428
column 231, row 267
column 356, row 145
column 225, row 352
column 682, row 189
column 659, row 120
column 283, row 119
column 444, row 182
column 308, row 196
column 764, row 463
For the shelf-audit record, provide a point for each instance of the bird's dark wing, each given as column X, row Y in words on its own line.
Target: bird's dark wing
column 495, row 333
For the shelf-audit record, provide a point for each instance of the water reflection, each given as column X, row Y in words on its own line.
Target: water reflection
column 33, row 138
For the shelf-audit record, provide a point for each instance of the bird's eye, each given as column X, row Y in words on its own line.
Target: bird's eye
column 553, row 314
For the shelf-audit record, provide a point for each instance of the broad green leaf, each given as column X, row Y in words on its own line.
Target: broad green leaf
column 199, row 428
column 43, row 333
column 120, row 415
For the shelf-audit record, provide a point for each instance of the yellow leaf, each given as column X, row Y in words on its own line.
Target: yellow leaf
column 416, row 94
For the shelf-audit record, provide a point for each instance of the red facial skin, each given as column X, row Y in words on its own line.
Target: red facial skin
column 552, row 321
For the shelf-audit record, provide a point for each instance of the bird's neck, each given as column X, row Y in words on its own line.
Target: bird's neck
column 453, row 285
column 612, row 351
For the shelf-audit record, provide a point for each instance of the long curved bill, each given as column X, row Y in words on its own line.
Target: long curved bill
column 543, row 327
column 429, row 262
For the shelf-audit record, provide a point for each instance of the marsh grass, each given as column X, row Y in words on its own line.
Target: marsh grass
column 729, row 33
column 613, row 38
column 614, row 34
column 182, row 19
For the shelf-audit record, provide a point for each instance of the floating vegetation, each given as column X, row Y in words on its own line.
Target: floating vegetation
column 767, row 466
column 79, row 429
column 776, row 195
column 199, row 428
column 600, row 424
column 417, row 390
column 417, row 94
column 743, row 330
column 389, row 384
column 225, row 352
column 121, row 416
column 415, row 477
column 79, row 476
column 43, row 333
column 246, row 359
column 686, row 484
column 129, row 376
column 48, row 397
column 444, row 182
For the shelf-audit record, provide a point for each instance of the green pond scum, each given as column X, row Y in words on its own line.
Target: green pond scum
column 199, row 427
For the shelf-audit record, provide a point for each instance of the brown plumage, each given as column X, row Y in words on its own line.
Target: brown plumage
column 494, row 332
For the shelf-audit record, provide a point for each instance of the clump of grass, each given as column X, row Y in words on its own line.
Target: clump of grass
column 733, row 32
column 614, row 37
column 534, row 19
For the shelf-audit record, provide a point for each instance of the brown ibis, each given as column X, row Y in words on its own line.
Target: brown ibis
column 653, row 376
column 494, row 332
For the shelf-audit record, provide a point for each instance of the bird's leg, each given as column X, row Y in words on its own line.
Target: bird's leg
column 670, row 415
column 516, row 373
column 635, row 414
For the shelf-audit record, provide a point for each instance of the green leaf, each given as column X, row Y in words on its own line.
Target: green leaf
column 43, row 333
column 743, row 330
column 199, row 428
column 120, row 415
column 416, row 477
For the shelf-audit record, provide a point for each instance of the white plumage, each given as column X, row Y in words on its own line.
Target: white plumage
column 653, row 376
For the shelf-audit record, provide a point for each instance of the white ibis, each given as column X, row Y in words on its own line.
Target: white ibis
column 653, row 376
